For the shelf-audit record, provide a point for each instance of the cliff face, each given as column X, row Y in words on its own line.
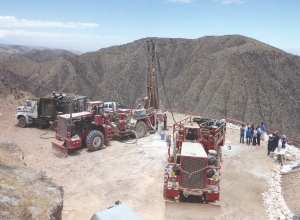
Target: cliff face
column 25, row 193
column 231, row 76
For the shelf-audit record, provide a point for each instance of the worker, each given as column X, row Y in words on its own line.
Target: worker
column 138, row 104
column 190, row 135
column 262, row 126
column 276, row 139
column 165, row 121
column 283, row 142
column 247, row 126
column 95, row 110
column 270, row 144
column 248, row 135
column 254, row 137
column 53, row 95
column 252, row 132
column 258, row 135
column 242, row 133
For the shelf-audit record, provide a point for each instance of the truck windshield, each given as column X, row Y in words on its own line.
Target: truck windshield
column 29, row 103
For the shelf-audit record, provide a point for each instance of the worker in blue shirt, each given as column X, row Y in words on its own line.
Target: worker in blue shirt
column 248, row 135
column 262, row 130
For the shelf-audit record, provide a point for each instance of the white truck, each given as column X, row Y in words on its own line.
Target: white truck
column 42, row 111
column 113, row 106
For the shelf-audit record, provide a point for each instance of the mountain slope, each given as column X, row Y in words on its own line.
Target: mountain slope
column 45, row 55
column 37, row 54
column 231, row 76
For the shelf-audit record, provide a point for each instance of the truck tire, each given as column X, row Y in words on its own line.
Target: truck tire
column 22, row 122
column 140, row 129
column 94, row 140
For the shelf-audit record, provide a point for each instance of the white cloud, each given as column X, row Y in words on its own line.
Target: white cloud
column 46, row 35
column 181, row 1
column 81, row 42
column 231, row 1
column 12, row 22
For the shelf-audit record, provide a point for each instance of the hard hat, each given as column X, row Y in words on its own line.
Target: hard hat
column 283, row 136
column 270, row 135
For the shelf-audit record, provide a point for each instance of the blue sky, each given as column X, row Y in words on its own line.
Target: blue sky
column 88, row 25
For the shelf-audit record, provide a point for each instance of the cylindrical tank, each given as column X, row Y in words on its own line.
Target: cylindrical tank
column 212, row 160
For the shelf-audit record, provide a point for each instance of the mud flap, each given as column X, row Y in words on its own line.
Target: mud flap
column 182, row 210
column 59, row 150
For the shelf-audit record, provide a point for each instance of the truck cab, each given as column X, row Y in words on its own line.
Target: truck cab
column 113, row 106
column 27, row 113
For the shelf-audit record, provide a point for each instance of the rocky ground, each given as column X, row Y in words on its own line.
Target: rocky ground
column 133, row 173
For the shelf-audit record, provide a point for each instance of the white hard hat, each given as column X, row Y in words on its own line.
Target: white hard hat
column 270, row 135
column 283, row 136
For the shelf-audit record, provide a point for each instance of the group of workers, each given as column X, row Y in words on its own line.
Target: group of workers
column 253, row 133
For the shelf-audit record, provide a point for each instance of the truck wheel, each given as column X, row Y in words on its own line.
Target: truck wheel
column 22, row 122
column 94, row 140
column 140, row 128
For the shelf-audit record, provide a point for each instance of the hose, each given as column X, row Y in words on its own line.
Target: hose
column 46, row 133
column 134, row 141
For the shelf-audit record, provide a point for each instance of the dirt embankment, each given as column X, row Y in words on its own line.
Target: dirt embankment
column 25, row 193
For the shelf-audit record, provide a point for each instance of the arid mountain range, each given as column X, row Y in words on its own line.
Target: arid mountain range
column 232, row 76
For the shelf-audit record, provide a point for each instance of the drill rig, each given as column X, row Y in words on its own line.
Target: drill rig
column 150, row 116
column 193, row 169
column 97, row 125
column 91, row 127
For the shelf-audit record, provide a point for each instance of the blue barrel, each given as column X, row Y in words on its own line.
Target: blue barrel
column 162, row 135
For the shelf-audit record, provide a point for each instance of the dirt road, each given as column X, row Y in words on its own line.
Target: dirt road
column 133, row 173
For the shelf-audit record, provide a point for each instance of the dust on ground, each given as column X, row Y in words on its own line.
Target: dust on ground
column 133, row 173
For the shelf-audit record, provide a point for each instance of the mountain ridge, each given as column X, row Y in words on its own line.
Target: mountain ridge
column 232, row 75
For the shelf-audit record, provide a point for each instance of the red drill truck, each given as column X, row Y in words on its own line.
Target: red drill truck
column 194, row 165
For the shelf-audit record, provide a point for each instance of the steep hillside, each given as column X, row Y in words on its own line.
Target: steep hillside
column 231, row 76
column 10, row 94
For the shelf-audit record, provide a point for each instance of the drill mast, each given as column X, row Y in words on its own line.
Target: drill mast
column 152, row 86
